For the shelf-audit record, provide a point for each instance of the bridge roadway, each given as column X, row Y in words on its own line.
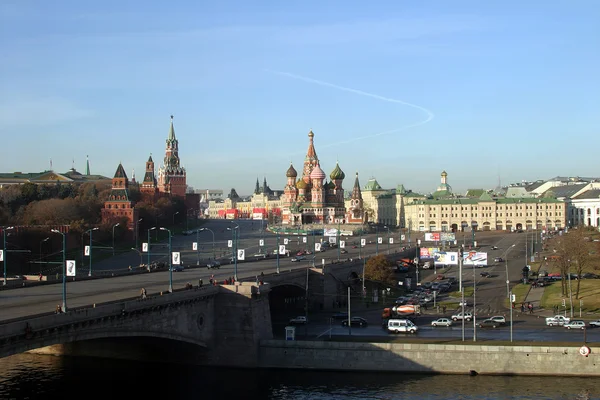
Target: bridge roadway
column 22, row 302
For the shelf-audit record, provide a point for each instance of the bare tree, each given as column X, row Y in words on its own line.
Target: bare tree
column 562, row 260
column 577, row 246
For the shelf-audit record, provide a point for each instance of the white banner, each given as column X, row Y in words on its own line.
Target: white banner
column 86, row 250
column 391, row 240
column 261, row 242
column 317, row 246
column 380, row 240
column 342, row 244
column 241, row 255
column 402, row 237
column 230, row 243
column 332, row 239
column 286, row 241
column 303, row 239
column 195, row 246
column 144, row 247
column 1, row 255
column 71, row 267
column 282, row 249
column 363, row 242
column 176, row 258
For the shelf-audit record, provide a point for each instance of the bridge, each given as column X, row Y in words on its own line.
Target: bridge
column 218, row 325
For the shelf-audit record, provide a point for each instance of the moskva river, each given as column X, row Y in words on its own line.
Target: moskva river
column 29, row 376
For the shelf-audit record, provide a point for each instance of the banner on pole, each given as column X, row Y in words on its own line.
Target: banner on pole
column 1, row 255
column 195, row 246
column 86, row 250
column 285, row 241
column 303, row 239
column 342, row 244
column 261, row 242
column 71, row 267
column 282, row 249
column 380, row 240
column 241, row 256
column 363, row 242
column 144, row 247
column 317, row 246
column 175, row 258
column 391, row 240
column 402, row 237
column 230, row 243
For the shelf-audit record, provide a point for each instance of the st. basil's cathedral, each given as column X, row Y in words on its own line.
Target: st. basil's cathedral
column 312, row 200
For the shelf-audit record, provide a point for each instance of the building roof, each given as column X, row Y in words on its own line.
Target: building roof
column 474, row 192
column 337, row 173
column 476, row 201
column 589, row 194
column 565, row 190
column 372, row 184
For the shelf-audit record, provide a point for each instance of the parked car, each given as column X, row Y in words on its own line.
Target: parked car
column 442, row 322
column 213, row 264
column 355, row 321
column 488, row 323
column 301, row 320
column 575, row 324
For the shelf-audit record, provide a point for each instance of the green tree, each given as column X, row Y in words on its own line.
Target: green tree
column 380, row 269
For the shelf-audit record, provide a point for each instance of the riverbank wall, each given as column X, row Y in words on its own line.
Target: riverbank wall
column 430, row 358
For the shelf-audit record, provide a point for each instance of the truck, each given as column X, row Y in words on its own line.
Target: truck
column 401, row 311
column 557, row 320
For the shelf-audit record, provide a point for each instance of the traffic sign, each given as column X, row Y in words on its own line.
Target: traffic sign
column 71, row 264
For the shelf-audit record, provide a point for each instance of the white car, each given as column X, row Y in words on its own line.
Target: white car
column 301, row 320
column 595, row 323
column 576, row 324
column 499, row 319
column 468, row 316
column 442, row 322
column 401, row 325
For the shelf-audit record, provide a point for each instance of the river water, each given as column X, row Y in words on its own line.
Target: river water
column 29, row 376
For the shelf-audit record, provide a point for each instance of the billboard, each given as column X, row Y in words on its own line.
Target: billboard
column 446, row 258
column 427, row 252
column 330, row 232
column 474, row 258
column 440, row 237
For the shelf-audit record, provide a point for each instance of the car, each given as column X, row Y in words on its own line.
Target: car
column 468, row 316
column 495, row 248
column 340, row 315
column 213, row 265
column 575, row 324
column 343, row 251
column 498, row 259
column 488, row 323
column 595, row 323
column 301, row 320
column 178, row 268
column 355, row 321
column 485, row 274
column 499, row 319
column 401, row 325
column 441, row 322
column 298, row 258
column 300, row 253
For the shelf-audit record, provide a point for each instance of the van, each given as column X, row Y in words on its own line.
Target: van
column 401, row 325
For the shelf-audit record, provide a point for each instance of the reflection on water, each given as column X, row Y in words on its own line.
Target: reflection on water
column 27, row 376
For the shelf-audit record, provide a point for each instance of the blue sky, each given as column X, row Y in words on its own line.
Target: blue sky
column 494, row 88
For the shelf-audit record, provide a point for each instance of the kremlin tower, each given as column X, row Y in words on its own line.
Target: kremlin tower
column 171, row 175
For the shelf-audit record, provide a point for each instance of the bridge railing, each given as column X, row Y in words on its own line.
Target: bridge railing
column 20, row 326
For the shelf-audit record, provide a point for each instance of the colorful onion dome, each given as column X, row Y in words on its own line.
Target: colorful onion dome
column 317, row 173
column 291, row 172
column 301, row 184
column 337, row 173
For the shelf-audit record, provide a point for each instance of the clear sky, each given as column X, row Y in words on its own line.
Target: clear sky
column 482, row 89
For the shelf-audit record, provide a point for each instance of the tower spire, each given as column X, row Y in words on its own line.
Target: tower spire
column 87, row 165
column 171, row 131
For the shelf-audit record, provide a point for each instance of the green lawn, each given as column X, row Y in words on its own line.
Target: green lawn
column 520, row 291
column 468, row 292
column 589, row 294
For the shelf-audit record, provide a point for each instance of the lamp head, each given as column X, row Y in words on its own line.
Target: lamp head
column 153, row 228
column 54, row 231
column 117, row 224
column 162, row 228
column 48, row 238
column 95, row 229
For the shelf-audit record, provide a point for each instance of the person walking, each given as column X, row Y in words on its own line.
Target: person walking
column 143, row 294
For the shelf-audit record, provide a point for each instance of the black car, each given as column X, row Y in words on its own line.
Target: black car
column 485, row 274
column 355, row 321
column 488, row 323
column 340, row 315
column 178, row 268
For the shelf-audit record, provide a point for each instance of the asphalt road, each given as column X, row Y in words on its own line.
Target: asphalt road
column 44, row 298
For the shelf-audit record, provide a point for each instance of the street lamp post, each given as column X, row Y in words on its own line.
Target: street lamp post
column 151, row 229
column 234, row 248
column 388, row 238
column 213, row 239
column 277, row 251
column 170, row 260
column 376, row 240
column 113, row 237
column 174, row 217
column 140, row 253
column 4, row 229
column 44, row 240
column 508, row 291
column 64, row 271
column 90, row 232
column 360, row 245
column 474, row 305
column 338, row 240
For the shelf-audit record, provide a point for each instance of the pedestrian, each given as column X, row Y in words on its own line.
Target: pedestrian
column 199, row 283
column 143, row 293
column 58, row 309
column 444, row 309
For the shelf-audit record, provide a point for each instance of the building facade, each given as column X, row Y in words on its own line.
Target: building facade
column 119, row 205
column 172, row 175
column 311, row 199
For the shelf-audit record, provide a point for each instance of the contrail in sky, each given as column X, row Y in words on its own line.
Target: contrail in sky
column 429, row 113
